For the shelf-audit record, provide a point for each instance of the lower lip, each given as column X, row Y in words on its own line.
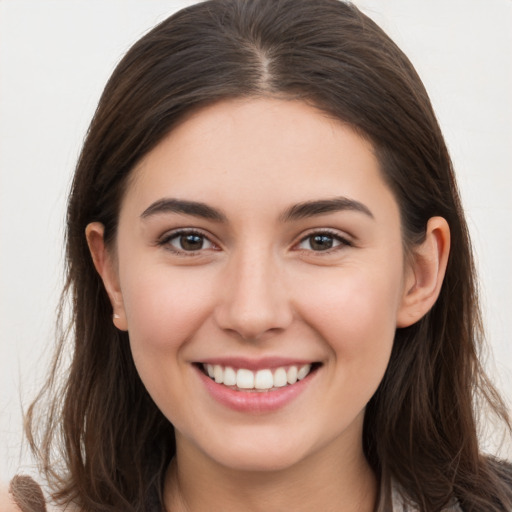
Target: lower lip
column 255, row 401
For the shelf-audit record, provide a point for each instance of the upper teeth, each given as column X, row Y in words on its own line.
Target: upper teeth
column 262, row 379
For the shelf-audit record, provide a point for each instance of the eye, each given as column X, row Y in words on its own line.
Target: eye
column 187, row 241
column 322, row 241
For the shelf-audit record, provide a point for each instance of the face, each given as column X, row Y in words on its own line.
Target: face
column 260, row 274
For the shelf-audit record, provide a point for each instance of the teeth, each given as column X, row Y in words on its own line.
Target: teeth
column 218, row 374
column 303, row 371
column 264, row 379
column 291, row 375
column 280, row 378
column 229, row 377
column 245, row 379
column 260, row 380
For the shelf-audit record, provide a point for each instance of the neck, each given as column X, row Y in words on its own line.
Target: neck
column 329, row 480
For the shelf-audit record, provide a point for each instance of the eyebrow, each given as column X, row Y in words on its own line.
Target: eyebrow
column 323, row 206
column 194, row 208
column 295, row 212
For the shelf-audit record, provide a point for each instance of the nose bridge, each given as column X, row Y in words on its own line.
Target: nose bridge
column 255, row 299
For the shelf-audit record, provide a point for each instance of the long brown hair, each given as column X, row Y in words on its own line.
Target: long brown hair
column 420, row 427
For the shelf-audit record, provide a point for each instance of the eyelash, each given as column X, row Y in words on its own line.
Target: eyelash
column 343, row 242
column 168, row 238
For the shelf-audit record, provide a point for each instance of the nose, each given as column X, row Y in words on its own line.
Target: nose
column 254, row 301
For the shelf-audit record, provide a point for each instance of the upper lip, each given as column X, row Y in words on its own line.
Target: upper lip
column 256, row 364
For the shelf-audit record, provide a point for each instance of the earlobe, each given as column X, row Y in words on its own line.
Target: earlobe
column 425, row 273
column 105, row 265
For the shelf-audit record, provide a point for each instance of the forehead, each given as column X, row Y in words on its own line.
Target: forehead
column 283, row 151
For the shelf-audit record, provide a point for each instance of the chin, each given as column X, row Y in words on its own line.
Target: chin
column 259, row 462
column 263, row 455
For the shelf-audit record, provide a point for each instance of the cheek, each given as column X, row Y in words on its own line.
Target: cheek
column 164, row 307
column 164, row 311
column 355, row 312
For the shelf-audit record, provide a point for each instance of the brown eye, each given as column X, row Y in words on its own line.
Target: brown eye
column 319, row 242
column 191, row 242
column 188, row 242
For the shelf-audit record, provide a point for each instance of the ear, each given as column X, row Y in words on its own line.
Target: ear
column 425, row 273
column 106, row 266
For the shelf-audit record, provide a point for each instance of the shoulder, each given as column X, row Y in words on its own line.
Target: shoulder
column 7, row 503
column 23, row 494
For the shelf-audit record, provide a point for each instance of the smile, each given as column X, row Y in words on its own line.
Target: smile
column 265, row 379
column 257, row 386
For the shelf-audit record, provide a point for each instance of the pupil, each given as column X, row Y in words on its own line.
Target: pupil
column 191, row 242
column 321, row 242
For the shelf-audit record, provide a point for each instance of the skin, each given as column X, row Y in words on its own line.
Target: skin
column 258, row 287
column 7, row 503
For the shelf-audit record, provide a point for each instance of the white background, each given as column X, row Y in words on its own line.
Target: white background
column 55, row 57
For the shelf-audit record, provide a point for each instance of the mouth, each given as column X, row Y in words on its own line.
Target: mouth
column 260, row 381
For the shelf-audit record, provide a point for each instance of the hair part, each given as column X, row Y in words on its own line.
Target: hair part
column 420, row 427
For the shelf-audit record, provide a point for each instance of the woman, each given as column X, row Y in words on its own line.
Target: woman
column 273, row 291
